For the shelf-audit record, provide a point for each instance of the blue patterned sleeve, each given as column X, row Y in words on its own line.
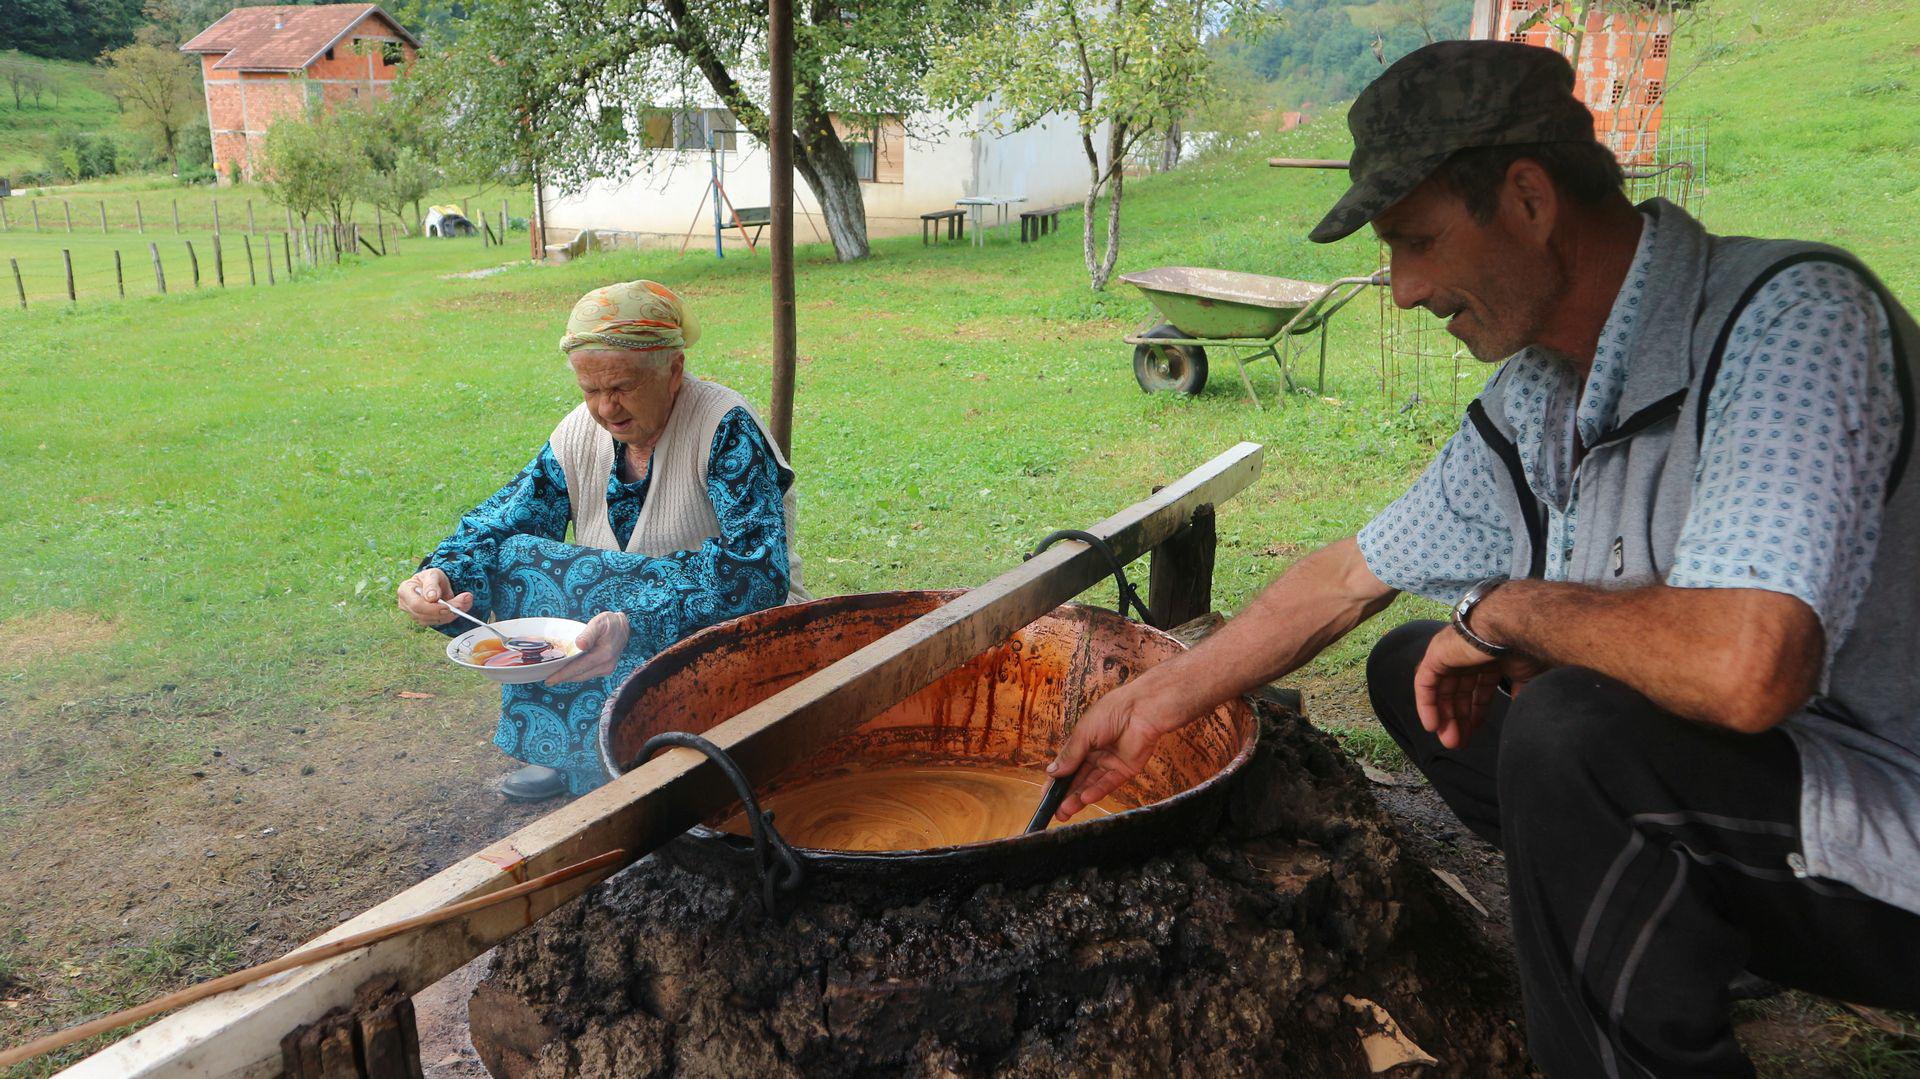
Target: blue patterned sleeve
column 745, row 568
column 1447, row 531
column 1802, row 427
column 533, row 503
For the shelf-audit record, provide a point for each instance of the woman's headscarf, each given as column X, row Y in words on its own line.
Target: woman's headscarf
column 633, row 314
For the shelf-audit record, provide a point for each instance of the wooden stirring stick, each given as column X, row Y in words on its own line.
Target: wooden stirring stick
column 239, row 978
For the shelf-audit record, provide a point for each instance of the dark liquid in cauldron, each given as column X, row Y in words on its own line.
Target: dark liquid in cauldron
column 909, row 808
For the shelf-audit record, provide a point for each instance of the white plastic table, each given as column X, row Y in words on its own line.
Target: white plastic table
column 977, row 212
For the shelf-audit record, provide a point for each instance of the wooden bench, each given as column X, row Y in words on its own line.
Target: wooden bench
column 756, row 218
column 956, row 224
column 1037, row 223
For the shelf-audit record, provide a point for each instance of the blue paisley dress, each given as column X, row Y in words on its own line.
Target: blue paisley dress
column 511, row 554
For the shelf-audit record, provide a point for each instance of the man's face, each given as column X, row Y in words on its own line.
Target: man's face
column 1496, row 283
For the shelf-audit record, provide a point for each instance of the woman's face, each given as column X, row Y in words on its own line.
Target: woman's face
column 630, row 393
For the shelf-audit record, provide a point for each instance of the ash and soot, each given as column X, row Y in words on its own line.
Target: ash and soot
column 1222, row 919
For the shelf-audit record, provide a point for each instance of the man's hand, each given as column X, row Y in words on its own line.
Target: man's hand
column 1108, row 746
column 1456, row 682
column 420, row 593
column 601, row 644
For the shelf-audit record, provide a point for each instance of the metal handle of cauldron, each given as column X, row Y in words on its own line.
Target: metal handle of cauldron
column 1128, row 594
column 780, row 866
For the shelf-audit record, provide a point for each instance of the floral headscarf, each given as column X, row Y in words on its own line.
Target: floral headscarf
column 634, row 314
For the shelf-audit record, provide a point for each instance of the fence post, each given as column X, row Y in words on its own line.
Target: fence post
column 103, row 217
column 252, row 278
column 139, row 218
column 35, row 203
column 176, row 217
column 216, row 217
column 5, row 225
column 159, row 275
column 380, row 229
column 66, row 256
column 68, row 207
column 268, row 240
column 249, row 215
column 119, row 274
column 219, row 263
column 195, row 259
column 289, row 210
column 19, row 285
column 286, row 251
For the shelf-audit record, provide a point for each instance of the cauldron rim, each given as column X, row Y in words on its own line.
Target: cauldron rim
column 1102, row 829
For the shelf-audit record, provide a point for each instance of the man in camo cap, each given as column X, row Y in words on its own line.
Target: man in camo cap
column 1677, row 688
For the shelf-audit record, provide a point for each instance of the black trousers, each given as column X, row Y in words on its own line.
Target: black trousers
column 1647, row 862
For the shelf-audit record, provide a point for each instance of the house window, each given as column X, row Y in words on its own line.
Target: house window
column 686, row 129
column 1618, row 93
column 329, row 54
column 1658, row 51
column 860, row 148
column 1653, row 92
column 392, row 54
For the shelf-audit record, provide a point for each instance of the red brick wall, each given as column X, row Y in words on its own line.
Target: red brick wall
column 1622, row 73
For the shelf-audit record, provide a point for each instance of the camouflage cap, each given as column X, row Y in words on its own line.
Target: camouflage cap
column 1449, row 96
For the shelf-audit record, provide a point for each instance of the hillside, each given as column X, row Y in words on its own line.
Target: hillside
column 73, row 98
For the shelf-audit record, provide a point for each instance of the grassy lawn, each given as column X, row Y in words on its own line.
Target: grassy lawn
column 75, row 99
column 211, row 496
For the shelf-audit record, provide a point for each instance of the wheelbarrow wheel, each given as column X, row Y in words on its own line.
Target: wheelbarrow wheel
column 1179, row 368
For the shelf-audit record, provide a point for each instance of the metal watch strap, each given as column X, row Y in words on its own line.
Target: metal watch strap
column 1465, row 607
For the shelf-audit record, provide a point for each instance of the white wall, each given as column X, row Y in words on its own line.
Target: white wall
column 1045, row 163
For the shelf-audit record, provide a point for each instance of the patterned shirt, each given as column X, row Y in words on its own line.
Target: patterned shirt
column 1802, row 426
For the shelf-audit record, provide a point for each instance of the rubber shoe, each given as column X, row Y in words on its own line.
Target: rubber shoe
column 534, row 783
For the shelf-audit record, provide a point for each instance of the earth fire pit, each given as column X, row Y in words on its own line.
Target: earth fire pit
column 1234, row 911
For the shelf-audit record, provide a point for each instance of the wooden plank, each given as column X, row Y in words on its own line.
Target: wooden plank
column 1180, row 580
column 239, row 1033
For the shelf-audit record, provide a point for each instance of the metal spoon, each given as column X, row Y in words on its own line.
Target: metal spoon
column 518, row 644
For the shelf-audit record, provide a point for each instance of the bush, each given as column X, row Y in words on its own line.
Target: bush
column 199, row 173
column 83, row 155
column 195, row 147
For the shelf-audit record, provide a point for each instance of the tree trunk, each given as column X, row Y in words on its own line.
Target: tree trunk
column 1101, row 268
column 1170, row 150
column 819, row 155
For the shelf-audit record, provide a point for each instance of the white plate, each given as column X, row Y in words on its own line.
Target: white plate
column 563, row 630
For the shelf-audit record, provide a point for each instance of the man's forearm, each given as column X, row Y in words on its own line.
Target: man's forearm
column 1734, row 657
column 1317, row 601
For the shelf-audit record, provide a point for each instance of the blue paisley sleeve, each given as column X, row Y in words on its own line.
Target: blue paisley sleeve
column 533, row 503
column 745, row 568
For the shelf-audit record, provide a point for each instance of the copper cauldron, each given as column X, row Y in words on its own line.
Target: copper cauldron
column 1008, row 706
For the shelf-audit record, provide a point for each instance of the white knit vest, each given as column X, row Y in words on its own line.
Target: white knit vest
column 677, row 514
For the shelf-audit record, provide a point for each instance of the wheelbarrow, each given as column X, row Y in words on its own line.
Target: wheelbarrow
column 1253, row 314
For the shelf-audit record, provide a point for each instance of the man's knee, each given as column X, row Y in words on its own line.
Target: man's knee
column 1570, row 724
column 1392, row 662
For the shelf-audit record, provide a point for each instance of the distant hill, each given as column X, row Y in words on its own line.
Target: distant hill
column 72, row 97
column 1322, row 51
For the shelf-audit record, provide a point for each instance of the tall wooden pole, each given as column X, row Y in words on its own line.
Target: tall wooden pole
column 780, row 139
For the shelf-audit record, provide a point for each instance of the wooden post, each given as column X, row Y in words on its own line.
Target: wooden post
column 216, row 217
column 289, row 210
column 176, row 217
column 68, row 207
column 1180, row 575
column 103, row 217
column 159, row 275
column 35, row 204
column 780, row 135
column 249, row 215
column 252, row 277
column 219, row 263
column 139, row 218
column 286, row 251
column 66, row 256
column 380, row 229
column 268, row 240
column 195, row 259
column 19, row 285
column 119, row 274
column 240, row 1033
column 5, row 225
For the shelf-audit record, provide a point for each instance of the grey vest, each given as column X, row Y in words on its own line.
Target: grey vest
column 1859, row 738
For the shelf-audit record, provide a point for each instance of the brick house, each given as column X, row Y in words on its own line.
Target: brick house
column 1622, row 73
column 262, row 63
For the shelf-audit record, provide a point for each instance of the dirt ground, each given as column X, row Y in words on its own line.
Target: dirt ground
column 161, row 878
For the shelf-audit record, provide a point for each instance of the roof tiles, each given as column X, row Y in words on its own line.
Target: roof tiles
column 283, row 37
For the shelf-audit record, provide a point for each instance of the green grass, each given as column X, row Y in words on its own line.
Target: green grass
column 75, row 100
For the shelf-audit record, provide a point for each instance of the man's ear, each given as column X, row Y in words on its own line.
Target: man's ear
column 1529, row 201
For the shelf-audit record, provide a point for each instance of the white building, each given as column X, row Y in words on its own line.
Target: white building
column 907, row 169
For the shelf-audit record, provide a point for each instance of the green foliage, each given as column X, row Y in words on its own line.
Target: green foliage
column 159, row 87
column 316, row 164
column 400, row 171
column 1322, row 51
column 54, row 95
column 67, row 29
column 80, row 155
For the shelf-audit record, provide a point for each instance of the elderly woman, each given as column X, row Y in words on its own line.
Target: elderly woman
column 682, row 513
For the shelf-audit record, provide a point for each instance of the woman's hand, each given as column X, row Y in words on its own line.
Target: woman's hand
column 420, row 594
column 600, row 644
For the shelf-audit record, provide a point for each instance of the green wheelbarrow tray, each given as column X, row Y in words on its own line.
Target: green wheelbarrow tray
column 1253, row 313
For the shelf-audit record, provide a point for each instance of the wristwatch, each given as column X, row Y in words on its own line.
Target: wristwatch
column 1465, row 607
